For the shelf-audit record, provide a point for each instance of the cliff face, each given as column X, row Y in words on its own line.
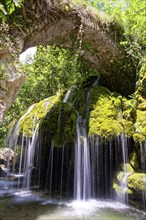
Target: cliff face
column 93, row 35
column 10, row 81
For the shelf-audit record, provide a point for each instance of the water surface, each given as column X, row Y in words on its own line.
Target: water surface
column 27, row 205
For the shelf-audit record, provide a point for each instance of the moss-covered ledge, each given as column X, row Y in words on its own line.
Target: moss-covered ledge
column 51, row 116
column 137, row 182
column 33, row 116
column 106, row 117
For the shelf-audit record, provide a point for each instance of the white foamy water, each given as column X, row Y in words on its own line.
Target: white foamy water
column 27, row 197
column 83, row 208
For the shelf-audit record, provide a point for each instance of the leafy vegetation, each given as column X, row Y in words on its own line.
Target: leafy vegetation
column 51, row 70
column 130, row 13
column 7, row 7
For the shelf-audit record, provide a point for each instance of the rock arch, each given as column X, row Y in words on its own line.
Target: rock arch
column 44, row 22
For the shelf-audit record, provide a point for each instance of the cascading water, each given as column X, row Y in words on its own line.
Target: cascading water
column 12, row 137
column 28, row 162
column 67, row 95
column 85, row 169
column 123, row 196
column 143, row 165
column 82, row 170
column 27, row 147
column 82, row 176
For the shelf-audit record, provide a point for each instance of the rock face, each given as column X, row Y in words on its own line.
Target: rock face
column 10, row 82
column 92, row 34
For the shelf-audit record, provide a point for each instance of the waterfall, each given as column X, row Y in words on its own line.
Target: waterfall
column 28, row 162
column 82, row 167
column 50, row 170
column 67, row 95
column 82, row 176
column 12, row 136
column 123, row 196
column 143, row 165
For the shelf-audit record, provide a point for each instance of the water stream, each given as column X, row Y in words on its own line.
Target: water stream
column 123, row 196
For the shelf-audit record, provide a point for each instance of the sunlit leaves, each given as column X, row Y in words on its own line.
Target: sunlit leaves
column 7, row 7
column 130, row 13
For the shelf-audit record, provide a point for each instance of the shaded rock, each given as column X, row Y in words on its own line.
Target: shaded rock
column 6, row 154
column 3, row 171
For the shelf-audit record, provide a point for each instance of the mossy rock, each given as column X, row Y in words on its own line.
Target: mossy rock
column 140, row 126
column 128, row 127
column 133, row 160
column 80, row 102
column 138, row 138
column 127, row 167
column 137, row 181
column 60, row 124
column 104, row 113
column 128, row 117
column 141, row 103
column 140, row 123
column 35, row 114
column 121, row 174
column 116, row 187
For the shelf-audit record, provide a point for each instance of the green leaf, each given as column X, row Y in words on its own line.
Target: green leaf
column 2, row 8
column 17, row 3
column 8, row 2
column 11, row 8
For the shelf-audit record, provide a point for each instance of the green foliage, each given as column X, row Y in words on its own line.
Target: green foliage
column 52, row 69
column 105, row 108
column 7, row 7
column 130, row 13
column 136, row 181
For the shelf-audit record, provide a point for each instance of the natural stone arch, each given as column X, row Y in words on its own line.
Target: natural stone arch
column 44, row 22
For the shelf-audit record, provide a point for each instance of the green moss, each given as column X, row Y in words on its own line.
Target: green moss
column 32, row 117
column 140, row 126
column 136, row 181
column 116, row 187
column 119, row 188
column 128, row 116
column 60, row 123
column 140, row 123
column 128, row 167
column 134, row 160
column 120, row 176
column 138, row 138
column 128, row 127
column 104, row 117
column 141, row 103
column 80, row 101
